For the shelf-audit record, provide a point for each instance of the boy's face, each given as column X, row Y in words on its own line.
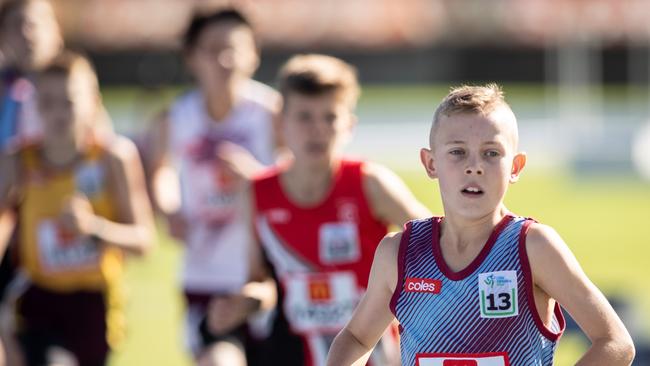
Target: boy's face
column 316, row 127
column 66, row 104
column 30, row 37
column 474, row 158
column 222, row 51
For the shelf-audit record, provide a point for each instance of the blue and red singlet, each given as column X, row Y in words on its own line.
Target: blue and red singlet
column 484, row 315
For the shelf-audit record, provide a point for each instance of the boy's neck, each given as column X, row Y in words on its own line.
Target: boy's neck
column 60, row 154
column 309, row 184
column 461, row 232
column 221, row 100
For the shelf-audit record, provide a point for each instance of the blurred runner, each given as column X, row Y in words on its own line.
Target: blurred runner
column 212, row 138
column 81, row 201
column 320, row 216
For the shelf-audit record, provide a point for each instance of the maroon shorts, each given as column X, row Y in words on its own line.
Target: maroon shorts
column 74, row 321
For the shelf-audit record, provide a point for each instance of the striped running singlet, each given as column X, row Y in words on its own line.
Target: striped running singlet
column 484, row 315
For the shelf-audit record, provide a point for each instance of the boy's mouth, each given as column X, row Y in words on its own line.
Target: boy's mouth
column 472, row 191
column 316, row 148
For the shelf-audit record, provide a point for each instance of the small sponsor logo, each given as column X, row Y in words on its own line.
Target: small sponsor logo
column 422, row 285
column 347, row 212
column 498, row 281
column 279, row 215
column 319, row 290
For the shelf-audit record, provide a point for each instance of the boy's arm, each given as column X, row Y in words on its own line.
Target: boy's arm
column 163, row 179
column 132, row 229
column 134, row 208
column 557, row 272
column 389, row 198
column 353, row 344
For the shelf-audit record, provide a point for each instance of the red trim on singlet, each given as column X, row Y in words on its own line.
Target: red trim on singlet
column 462, row 274
column 401, row 259
column 529, row 283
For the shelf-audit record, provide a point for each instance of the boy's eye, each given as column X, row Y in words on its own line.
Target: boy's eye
column 330, row 118
column 304, row 117
column 457, row 152
column 492, row 153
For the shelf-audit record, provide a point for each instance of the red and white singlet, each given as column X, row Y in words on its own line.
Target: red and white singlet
column 321, row 254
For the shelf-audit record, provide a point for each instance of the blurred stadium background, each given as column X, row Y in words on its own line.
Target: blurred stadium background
column 575, row 71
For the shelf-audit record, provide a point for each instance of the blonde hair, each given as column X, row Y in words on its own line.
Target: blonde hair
column 314, row 74
column 472, row 99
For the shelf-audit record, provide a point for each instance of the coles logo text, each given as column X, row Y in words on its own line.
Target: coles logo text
column 422, row 285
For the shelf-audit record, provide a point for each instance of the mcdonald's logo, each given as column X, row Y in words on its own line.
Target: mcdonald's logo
column 319, row 290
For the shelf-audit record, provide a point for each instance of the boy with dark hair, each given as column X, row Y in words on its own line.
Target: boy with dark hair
column 210, row 140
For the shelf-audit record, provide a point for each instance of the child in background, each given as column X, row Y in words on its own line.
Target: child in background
column 211, row 139
column 320, row 216
column 81, row 201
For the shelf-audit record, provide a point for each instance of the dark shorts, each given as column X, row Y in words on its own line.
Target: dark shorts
column 201, row 338
column 8, row 266
column 283, row 347
column 7, row 272
column 74, row 321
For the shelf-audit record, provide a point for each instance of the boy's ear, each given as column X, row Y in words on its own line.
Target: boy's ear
column 518, row 163
column 426, row 157
column 353, row 122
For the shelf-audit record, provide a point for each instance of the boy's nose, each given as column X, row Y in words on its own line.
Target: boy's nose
column 478, row 171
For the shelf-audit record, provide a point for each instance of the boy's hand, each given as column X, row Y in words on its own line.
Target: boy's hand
column 237, row 162
column 78, row 217
column 227, row 313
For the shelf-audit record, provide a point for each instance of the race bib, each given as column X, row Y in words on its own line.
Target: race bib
column 208, row 195
column 320, row 302
column 498, row 294
column 338, row 243
column 481, row 359
column 60, row 250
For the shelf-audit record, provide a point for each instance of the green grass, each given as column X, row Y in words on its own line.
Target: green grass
column 604, row 220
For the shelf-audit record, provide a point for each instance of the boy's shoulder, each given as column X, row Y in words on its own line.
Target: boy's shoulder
column 375, row 176
column 544, row 244
column 118, row 148
column 388, row 248
column 262, row 95
column 541, row 234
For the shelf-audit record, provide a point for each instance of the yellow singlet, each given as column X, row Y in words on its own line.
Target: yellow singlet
column 54, row 258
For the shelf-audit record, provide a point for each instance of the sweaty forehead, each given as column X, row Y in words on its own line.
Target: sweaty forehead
column 500, row 121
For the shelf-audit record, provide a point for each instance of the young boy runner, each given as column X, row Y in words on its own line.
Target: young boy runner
column 81, row 201
column 210, row 139
column 320, row 216
column 481, row 285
